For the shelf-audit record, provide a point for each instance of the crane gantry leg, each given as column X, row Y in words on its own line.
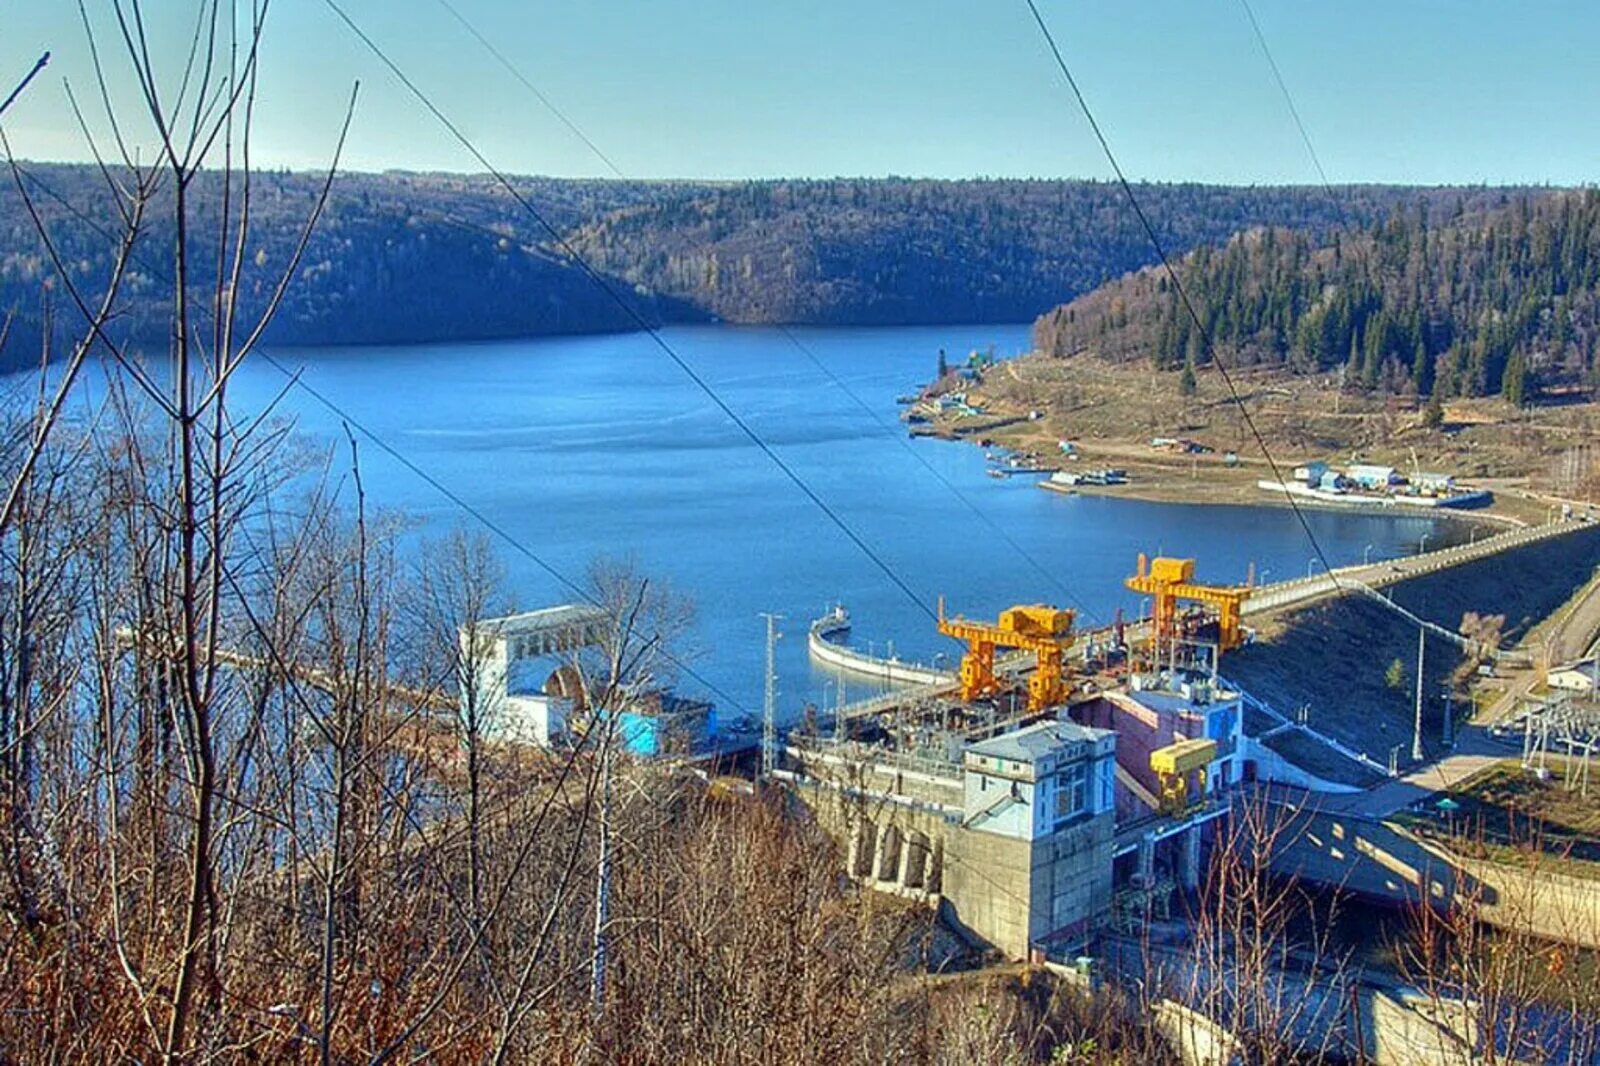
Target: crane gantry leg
column 1045, row 631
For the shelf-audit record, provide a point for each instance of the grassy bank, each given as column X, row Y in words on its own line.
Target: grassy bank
column 1508, row 814
column 1336, row 656
column 1112, row 411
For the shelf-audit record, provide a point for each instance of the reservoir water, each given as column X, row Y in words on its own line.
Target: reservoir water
column 586, row 446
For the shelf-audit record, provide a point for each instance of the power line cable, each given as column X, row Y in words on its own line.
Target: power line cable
column 892, row 431
column 297, row 379
column 1294, row 112
column 1333, row 198
column 633, row 314
column 526, row 84
column 994, row 527
column 38, row 65
column 1177, row 285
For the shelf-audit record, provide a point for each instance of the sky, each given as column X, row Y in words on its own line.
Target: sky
column 1413, row 91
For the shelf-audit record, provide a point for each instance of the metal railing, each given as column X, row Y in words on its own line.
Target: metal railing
column 1333, row 744
column 1368, row 578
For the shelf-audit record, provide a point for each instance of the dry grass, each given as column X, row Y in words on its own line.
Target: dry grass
column 1333, row 655
column 1111, row 410
column 1510, row 815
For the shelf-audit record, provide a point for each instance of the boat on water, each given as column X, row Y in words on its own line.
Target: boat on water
column 1064, row 479
column 996, row 472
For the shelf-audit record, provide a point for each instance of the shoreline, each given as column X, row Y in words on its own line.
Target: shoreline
column 1219, row 485
column 1279, row 501
column 1192, row 448
column 1209, row 480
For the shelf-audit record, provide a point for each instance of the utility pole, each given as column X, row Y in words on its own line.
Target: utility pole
column 769, row 707
column 838, row 712
column 1527, row 739
column 1416, row 733
column 602, row 885
column 1449, row 718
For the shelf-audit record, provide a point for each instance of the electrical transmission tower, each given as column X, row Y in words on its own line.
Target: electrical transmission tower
column 769, row 706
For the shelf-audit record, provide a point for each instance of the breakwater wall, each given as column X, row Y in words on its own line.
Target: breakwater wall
column 824, row 645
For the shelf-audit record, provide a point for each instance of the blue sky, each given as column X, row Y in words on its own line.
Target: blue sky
column 1429, row 91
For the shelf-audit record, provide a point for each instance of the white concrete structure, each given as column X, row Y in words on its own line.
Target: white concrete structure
column 1032, row 782
column 1579, row 677
column 501, row 682
column 824, row 645
column 1218, row 710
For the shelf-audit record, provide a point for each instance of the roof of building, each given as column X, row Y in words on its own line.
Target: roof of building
column 1036, row 741
column 547, row 620
column 1176, row 702
column 1005, row 801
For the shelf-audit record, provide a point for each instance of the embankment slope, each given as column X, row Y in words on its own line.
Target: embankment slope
column 1335, row 656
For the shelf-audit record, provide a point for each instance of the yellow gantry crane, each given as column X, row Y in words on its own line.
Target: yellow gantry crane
column 1167, row 581
column 1045, row 631
column 1174, row 763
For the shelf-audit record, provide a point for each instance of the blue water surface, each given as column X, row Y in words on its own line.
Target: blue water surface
column 601, row 445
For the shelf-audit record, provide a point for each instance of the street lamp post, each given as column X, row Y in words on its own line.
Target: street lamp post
column 1416, row 733
column 1366, row 556
column 1423, row 547
column 1149, row 633
column 1310, row 565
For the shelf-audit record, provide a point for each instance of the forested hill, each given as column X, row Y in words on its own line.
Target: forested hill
column 396, row 258
column 1497, row 293
column 897, row 251
column 417, row 257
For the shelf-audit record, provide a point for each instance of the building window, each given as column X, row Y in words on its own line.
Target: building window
column 1072, row 791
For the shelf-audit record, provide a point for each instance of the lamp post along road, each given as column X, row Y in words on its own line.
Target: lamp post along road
column 1416, row 733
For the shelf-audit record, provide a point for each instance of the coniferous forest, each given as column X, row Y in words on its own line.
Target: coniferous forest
column 1434, row 300
column 403, row 257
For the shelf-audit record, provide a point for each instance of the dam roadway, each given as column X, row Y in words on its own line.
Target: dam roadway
column 923, row 681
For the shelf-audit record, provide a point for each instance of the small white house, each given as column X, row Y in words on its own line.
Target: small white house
column 1031, row 782
column 1577, row 677
column 1311, row 473
column 1436, row 483
column 504, row 664
column 1369, row 476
